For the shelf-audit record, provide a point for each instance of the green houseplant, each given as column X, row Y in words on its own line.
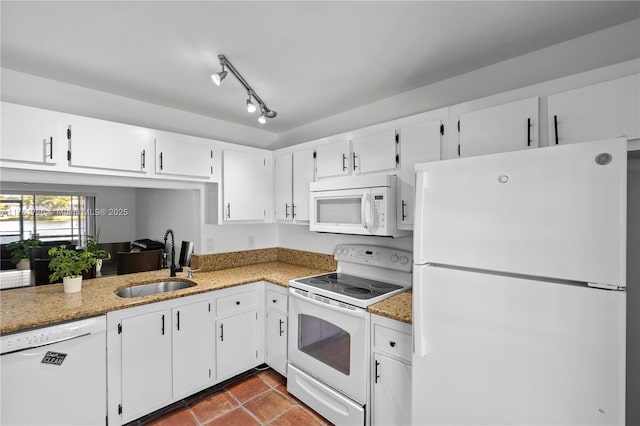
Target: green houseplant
column 20, row 252
column 99, row 254
column 69, row 265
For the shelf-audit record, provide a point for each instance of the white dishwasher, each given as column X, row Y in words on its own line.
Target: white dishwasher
column 55, row 375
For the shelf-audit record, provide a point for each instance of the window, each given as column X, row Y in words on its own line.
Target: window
column 46, row 217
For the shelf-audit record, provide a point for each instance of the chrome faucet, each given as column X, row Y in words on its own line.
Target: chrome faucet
column 173, row 251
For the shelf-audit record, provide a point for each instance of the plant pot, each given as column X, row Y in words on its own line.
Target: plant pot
column 23, row 265
column 72, row 284
column 98, row 265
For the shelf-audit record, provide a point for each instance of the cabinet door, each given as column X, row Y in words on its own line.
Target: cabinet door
column 418, row 144
column 333, row 159
column 245, row 185
column 146, row 363
column 302, row 177
column 192, row 347
column 391, row 391
column 507, row 127
column 374, row 153
column 236, row 348
column 601, row 111
column 30, row 134
column 283, row 172
column 277, row 341
column 181, row 158
column 105, row 145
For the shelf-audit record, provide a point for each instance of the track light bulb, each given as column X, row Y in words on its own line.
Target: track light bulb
column 262, row 119
column 251, row 108
column 218, row 77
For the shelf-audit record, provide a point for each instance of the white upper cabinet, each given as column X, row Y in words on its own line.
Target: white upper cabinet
column 302, row 177
column 293, row 174
column 107, row 145
column 31, row 135
column 184, row 157
column 245, row 178
column 283, row 171
column 333, row 159
column 601, row 111
column 418, row 144
column 507, row 127
column 374, row 153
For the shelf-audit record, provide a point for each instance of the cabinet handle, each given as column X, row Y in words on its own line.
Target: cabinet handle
column 354, row 161
column 163, row 325
column 281, row 330
column 161, row 165
column 275, row 300
column 392, row 344
column 293, row 210
column 222, row 332
column 51, row 147
column 404, row 215
column 377, row 376
column 555, row 127
column 238, row 302
column 178, row 322
column 286, row 210
column 228, row 210
column 144, row 158
column 344, row 164
column 528, row 131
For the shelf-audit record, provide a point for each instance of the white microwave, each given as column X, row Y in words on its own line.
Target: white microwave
column 360, row 205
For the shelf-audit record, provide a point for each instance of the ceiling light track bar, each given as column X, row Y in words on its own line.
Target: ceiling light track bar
column 269, row 113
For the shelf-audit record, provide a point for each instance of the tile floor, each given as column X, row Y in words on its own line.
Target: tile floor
column 256, row 399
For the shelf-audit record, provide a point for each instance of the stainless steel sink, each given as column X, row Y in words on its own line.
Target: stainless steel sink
column 153, row 288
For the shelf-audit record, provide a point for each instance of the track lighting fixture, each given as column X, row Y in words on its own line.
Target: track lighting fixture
column 217, row 78
column 251, row 108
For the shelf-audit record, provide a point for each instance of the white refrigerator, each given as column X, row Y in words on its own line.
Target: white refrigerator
column 519, row 277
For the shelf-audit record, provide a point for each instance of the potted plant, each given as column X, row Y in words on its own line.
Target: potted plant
column 69, row 265
column 20, row 252
column 100, row 255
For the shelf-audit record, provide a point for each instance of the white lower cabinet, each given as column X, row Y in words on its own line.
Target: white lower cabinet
column 276, row 328
column 157, row 354
column 391, row 372
column 239, row 340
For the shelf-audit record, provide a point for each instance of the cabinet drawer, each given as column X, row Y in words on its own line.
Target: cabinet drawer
column 236, row 303
column 392, row 341
column 277, row 301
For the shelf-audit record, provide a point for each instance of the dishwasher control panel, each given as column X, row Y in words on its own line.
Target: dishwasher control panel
column 48, row 335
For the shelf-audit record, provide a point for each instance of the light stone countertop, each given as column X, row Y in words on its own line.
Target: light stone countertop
column 30, row 307
column 397, row 307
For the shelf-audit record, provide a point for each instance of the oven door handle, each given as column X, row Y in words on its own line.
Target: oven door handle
column 356, row 312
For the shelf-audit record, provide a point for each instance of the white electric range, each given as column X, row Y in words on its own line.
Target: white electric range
column 328, row 348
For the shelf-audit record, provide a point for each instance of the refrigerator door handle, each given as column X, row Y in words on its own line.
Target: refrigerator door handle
column 420, row 340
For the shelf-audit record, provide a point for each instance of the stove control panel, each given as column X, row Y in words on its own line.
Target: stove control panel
column 382, row 257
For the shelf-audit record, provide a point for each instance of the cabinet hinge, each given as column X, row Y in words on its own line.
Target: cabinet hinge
column 68, row 155
column 397, row 137
column 315, row 154
column 458, row 150
column 397, row 158
column 119, row 328
column 441, row 129
column 264, row 162
column 209, row 373
column 211, row 169
column 256, row 316
column 458, row 126
column 256, row 354
column 69, row 133
column 119, row 408
column 211, row 154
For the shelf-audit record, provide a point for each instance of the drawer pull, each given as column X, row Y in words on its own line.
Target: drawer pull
column 275, row 300
column 392, row 344
column 237, row 302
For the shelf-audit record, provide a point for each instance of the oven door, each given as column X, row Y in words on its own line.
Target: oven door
column 330, row 342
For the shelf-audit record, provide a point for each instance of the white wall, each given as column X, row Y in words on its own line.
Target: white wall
column 237, row 237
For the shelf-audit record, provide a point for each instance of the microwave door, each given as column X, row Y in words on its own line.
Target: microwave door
column 343, row 211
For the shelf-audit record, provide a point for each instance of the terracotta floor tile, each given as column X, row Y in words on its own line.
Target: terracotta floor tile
column 248, row 388
column 179, row 417
column 283, row 390
column 295, row 417
column 213, row 406
column 268, row 405
column 316, row 416
column 272, row 377
column 237, row 417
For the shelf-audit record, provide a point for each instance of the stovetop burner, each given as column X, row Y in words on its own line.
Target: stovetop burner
column 353, row 286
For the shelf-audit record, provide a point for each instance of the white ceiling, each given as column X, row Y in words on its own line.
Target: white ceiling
column 307, row 60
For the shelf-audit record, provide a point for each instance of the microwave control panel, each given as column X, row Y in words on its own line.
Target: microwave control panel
column 377, row 211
